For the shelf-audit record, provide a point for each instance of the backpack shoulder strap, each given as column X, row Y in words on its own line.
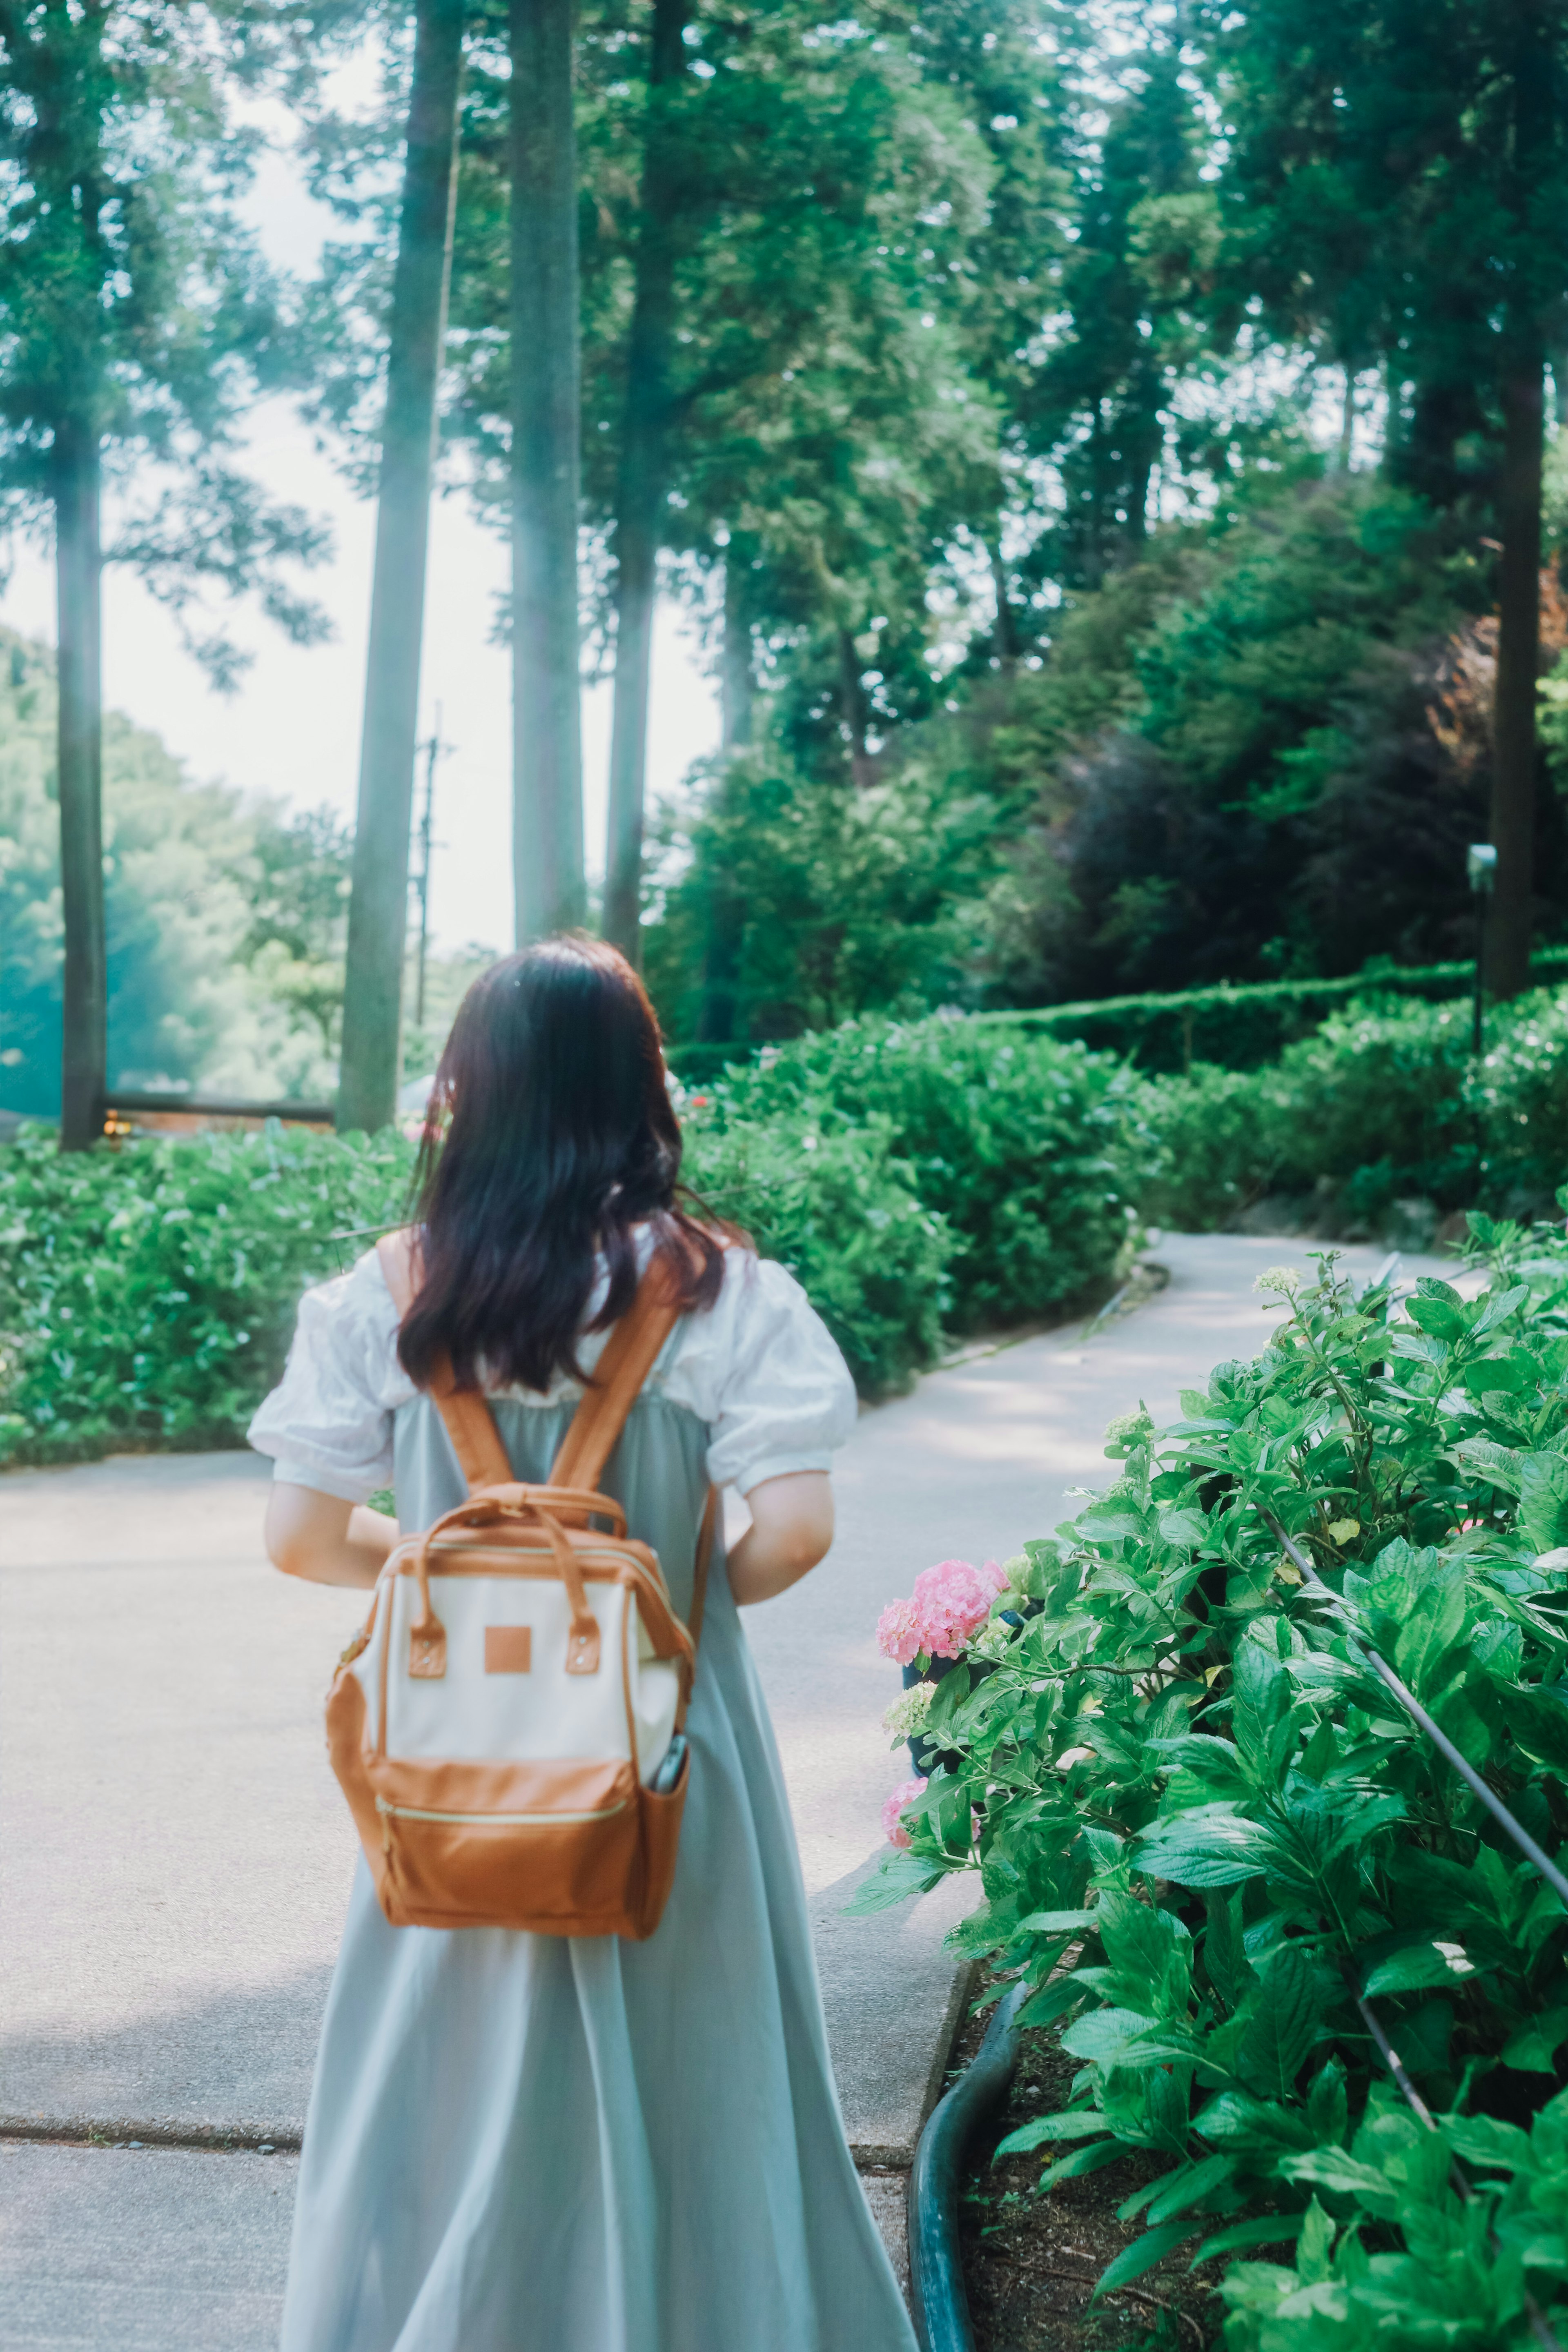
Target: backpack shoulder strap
column 631, row 1354
column 465, row 1413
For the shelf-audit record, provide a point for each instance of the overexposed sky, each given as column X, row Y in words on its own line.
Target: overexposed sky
column 292, row 729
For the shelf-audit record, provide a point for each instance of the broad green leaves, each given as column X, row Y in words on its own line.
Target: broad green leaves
column 1206, row 1828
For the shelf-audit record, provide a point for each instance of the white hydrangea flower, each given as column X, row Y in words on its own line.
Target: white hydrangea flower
column 905, row 1717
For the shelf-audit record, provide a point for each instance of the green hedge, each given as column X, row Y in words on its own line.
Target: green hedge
column 1242, row 1028
column 147, row 1291
column 918, row 1180
column 1235, row 1027
column 1383, row 1101
column 923, row 1178
column 1032, row 1148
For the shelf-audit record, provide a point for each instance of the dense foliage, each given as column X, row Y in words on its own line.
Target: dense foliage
column 1384, row 1102
column 923, row 1179
column 1031, row 1150
column 1211, row 1843
column 147, row 1292
column 1256, row 752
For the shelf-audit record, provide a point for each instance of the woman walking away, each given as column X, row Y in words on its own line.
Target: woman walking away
column 556, row 2142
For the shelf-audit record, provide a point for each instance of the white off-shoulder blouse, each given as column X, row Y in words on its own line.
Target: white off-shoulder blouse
column 758, row 1366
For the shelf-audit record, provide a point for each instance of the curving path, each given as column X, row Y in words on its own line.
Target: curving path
column 177, row 1855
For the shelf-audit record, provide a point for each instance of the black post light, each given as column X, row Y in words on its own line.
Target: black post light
column 1481, row 868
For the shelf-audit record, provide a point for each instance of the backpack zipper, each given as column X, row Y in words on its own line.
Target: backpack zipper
column 391, row 1813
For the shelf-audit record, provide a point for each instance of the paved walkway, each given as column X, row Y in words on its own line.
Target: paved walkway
column 178, row 1855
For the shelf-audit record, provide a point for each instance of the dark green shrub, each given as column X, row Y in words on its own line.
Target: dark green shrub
column 842, row 1213
column 147, row 1292
column 1032, row 1150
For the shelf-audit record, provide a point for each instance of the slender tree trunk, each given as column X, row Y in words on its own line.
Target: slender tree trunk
column 737, row 677
column 378, row 904
column 546, row 458
column 1345, row 448
column 79, row 571
column 640, row 500
column 852, row 708
column 1511, row 910
column 1007, row 624
column 1513, row 722
column 725, row 933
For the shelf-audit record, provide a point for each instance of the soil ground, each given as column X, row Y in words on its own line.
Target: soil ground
column 1031, row 2261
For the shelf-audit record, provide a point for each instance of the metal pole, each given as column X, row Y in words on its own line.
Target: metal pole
column 1480, row 869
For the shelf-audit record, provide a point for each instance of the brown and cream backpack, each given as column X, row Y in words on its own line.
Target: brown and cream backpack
column 508, row 1727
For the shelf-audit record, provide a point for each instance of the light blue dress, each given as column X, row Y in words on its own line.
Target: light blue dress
column 529, row 2144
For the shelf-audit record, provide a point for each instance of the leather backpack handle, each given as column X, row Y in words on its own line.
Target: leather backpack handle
column 470, row 1423
column 629, row 1355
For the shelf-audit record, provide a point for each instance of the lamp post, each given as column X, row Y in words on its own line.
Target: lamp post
column 1480, row 869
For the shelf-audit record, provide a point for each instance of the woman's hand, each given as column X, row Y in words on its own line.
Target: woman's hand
column 791, row 1529
column 324, row 1540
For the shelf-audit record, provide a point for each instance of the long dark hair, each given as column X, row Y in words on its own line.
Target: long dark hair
column 549, row 1135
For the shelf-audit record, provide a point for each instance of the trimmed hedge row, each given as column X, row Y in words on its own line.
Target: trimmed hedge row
column 1383, row 1102
column 1237, row 1026
column 923, row 1179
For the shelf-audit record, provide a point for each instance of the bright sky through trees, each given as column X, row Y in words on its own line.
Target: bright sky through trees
column 292, row 728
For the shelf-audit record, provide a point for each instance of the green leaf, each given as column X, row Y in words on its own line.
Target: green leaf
column 1283, row 2023
column 1210, row 1846
column 1274, row 2230
column 1102, row 2034
column 1438, row 1307
column 1418, row 1968
column 1093, row 2159
column 902, row 1874
column 1142, row 2254
column 1501, row 1464
column 1487, row 2141
column 1314, row 2248
column 1056, row 1923
column 1236, row 2119
column 1333, row 2168
column 1073, row 2123
column 1533, row 2050
column 1544, row 1500
column 1052, row 2000
column 1225, row 1954
column 1191, row 2185
column 1143, row 1944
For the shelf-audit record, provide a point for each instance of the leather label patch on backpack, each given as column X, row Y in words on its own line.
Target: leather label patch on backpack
column 509, row 1649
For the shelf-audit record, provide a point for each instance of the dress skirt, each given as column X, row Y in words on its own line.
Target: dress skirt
column 525, row 2143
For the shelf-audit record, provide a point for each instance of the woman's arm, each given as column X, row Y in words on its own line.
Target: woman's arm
column 791, row 1529
column 324, row 1540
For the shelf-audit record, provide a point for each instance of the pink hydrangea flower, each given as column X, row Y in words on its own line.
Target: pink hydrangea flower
column 898, row 1634
column 953, row 1601
column 904, row 1794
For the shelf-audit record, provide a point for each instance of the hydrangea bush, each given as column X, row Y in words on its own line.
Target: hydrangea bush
column 1216, row 1851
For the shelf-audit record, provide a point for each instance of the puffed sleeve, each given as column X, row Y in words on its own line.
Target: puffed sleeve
column 762, row 1370
column 328, row 1424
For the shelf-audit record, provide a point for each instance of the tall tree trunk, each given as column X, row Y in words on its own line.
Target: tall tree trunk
column 852, row 708
column 1006, row 620
column 79, row 573
column 378, row 905
column 725, row 913
column 1346, row 447
column 546, row 460
column 640, row 498
column 737, row 676
column 1510, row 914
